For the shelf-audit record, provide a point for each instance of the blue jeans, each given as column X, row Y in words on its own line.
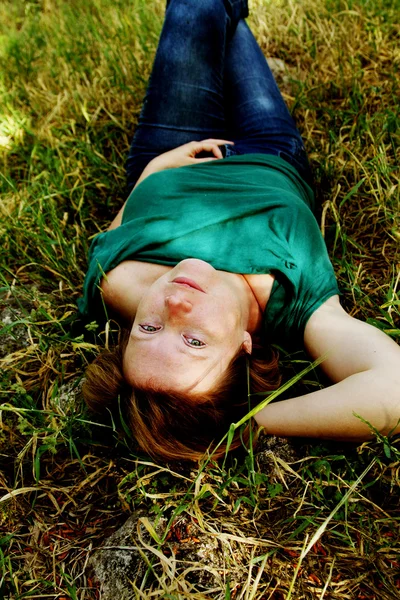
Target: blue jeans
column 210, row 79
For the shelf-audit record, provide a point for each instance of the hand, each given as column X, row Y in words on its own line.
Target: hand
column 186, row 154
column 179, row 157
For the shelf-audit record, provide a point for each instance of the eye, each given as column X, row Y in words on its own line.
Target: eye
column 149, row 328
column 194, row 342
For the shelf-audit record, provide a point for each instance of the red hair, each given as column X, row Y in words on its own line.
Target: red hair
column 182, row 426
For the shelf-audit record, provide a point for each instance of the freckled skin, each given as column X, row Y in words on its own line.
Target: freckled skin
column 187, row 337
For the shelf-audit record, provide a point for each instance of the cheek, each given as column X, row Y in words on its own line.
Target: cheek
column 152, row 298
column 226, row 319
column 229, row 306
column 149, row 304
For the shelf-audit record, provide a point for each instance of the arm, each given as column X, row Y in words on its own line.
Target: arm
column 364, row 365
column 179, row 157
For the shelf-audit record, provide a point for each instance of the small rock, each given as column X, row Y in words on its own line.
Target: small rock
column 14, row 337
column 120, row 563
column 271, row 449
column 279, row 68
column 69, row 394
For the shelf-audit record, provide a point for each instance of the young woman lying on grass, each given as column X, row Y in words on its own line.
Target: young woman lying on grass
column 216, row 254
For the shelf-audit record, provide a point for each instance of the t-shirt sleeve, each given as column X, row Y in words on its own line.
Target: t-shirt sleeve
column 90, row 304
column 303, row 287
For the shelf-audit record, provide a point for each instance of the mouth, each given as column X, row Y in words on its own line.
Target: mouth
column 188, row 283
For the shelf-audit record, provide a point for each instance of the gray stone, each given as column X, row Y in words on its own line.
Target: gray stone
column 123, row 560
column 69, row 394
column 279, row 69
column 277, row 65
column 118, row 562
column 14, row 335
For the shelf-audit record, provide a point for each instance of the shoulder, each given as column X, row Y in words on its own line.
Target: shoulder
column 115, row 286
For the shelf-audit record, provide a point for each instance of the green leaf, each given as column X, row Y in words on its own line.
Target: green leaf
column 228, row 591
column 387, row 450
column 278, row 392
column 274, row 489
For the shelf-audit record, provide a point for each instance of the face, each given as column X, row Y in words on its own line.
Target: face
column 188, row 326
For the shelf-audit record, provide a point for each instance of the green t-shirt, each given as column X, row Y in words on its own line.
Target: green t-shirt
column 243, row 214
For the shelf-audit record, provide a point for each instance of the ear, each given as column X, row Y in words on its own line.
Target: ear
column 247, row 342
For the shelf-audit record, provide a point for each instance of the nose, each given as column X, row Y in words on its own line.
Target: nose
column 176, row 304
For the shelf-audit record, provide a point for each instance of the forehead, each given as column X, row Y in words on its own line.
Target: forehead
column 165, row 367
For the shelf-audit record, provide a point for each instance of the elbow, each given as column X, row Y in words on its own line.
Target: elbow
column 388, row 404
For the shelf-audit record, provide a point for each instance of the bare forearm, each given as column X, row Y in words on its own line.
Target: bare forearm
column 149, row 170
column 329, row 413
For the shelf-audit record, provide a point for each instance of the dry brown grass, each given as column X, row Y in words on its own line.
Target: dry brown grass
column 72, row 78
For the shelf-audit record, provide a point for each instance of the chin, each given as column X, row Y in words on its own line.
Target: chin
column 196, row 263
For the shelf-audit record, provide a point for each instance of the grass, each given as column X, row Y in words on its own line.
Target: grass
column 289, row 520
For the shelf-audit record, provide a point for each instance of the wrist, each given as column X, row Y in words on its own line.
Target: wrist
column 152, row 167
column 159, row 163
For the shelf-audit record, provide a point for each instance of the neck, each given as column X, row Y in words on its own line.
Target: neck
column 251, row 309
column 260, row 287
column 255, row 311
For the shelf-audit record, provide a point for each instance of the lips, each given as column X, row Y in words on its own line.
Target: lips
column 188, row 283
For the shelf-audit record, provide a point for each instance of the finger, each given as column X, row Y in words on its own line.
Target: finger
column 217, row 152
column 195, row 161
column 214, row 148
column 218, row 142
column 208, row 147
